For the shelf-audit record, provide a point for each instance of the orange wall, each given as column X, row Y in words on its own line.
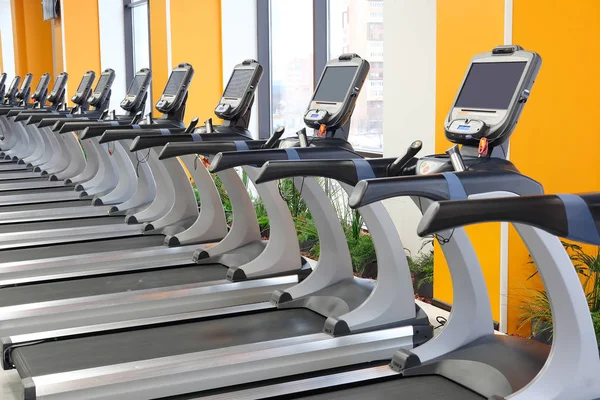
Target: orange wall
column 456, row 44
column 81, row 29
column 200, row 45
column 158, row 48
column 562, row 158
column 32, row 38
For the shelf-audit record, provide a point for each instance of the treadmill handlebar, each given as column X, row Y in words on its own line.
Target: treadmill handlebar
column 23, row 115
column 51, row 121
column 71, row 126
column 205, row 148
column 346, row 170
column 95, row 131
column 228, row 160
column 443, row 186
column 574, row 217
column 162, row 140
column 131, row 132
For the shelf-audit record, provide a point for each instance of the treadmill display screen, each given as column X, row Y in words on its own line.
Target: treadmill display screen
column 102, row 82
column 335, row 84
column 13, row 84
column 40, row 84
column 239, row 81
column 26, row 82
column 85, row 82
column 175, row 81
column 58, row 83
column 136, row 84
column 490, row 85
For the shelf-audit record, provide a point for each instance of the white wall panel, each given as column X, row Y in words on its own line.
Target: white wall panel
column 112, row 46
column 409, row 106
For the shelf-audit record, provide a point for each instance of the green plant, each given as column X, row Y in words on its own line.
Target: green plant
column 421, row 265
column 536, row 310
column 596, row 321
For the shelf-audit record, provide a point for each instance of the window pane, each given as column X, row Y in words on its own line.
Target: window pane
column 291, row 62
column 356, row 26
column 141, row 43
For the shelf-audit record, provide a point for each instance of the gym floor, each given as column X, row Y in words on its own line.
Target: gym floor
column 10, row 385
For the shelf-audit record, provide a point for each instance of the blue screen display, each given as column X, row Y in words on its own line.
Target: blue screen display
column 463, row 127
column 314, row 115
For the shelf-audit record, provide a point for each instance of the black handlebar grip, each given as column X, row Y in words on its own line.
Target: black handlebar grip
column 274, row 137
column 153, row 140
column 206, row 148
column 398, row 165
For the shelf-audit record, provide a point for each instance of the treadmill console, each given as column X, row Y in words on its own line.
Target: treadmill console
column 11, row 93
column 85, row 87
column 492, row 96
column 102, row 89
column 25, row 89
column 176, row 89
column 136, row 93
column 2, row 84
column 42, row 88
column 239, row 92
column 334, row 99
column 486, row 109
column 58, row 89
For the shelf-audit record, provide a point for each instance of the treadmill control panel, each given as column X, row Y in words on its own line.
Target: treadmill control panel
column 102, row 89
column 84, row 89
column 176, row 89
column 336, row 93
column 59, row 88
column 238, row 95
column 23, row 92
column 492, row 95
column 42, row 87
column 2, row 81
column 11, row 93
column 136, row 93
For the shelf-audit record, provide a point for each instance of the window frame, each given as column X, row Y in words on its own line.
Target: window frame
column 128, row 6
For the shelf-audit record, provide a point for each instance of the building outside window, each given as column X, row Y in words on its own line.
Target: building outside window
column 356, row 26
column 291, row 62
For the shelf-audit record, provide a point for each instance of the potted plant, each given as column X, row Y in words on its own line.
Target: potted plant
column 536, row 310
column 421, row 268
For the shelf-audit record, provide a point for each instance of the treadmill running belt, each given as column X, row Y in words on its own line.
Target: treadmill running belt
column 89, row 247
column 430, row 387
column 34, row 192
column 121, row 347
column 107, row 284
column 45, row 206
column 62, row 224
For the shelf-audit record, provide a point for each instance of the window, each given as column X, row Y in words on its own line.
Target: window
column 138, row 53
column 357, row 27
column 291, row 62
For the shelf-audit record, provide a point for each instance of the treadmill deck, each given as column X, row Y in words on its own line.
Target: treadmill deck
column 108, row 284
column 162, row 341
column 430, row 387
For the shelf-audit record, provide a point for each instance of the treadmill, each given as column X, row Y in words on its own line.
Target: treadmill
column 466, row 360
column 230, row 345
column 51, row 156
column 29, row 145
column 136, row 284
column 483, row 369
column 38, row 98
column 64, row 232
column 101, row 169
